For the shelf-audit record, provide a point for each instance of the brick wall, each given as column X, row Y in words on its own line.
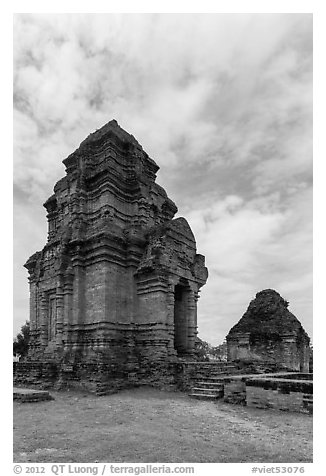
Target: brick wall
column 235, row 390
column 108, row 377
column 280, row 394
column 99, row 378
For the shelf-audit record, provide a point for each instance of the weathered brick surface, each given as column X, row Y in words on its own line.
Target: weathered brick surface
column 110, row 377
column 280, row 394
column 281, row 391
column 268, row 333
column 36, row 374
column 117, row 282
column 235, row 390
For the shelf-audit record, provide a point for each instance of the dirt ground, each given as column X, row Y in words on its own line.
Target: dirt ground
column 147, row 425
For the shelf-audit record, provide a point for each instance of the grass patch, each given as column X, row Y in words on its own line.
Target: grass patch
column 150, row 426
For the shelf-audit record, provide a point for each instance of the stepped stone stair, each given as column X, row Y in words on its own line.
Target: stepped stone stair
column 209, row 388
column 216, row 369
column 208, row 384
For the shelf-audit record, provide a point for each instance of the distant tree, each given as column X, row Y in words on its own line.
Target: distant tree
column 21, row 341
column 206, row 351
column 202, row 349
column 219, row 352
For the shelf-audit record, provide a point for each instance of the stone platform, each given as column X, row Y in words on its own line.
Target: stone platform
column 287, row 391
column 25, row 395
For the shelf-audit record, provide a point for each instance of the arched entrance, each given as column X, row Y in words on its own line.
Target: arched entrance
column 181, row 319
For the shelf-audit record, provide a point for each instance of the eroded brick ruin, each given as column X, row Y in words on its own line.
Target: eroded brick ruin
column 269, row 333
column 113, row 293
column 117, row 283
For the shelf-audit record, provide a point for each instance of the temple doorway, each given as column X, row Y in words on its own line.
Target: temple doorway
column 181, row 319
column 52, row 317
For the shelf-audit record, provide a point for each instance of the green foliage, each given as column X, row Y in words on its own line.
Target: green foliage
column 220, row 352
column 206, row 352
column 202, row 349
column 21, row 341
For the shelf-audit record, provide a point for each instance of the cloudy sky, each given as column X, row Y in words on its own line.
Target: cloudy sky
column 223, row 104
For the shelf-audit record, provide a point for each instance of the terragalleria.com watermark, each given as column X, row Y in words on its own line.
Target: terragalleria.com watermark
column 63, row 469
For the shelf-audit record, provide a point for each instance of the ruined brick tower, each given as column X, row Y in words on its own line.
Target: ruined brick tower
column 269, row 333
column 117, row 281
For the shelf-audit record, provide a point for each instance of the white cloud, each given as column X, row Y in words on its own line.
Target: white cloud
column 248, row 250
column 221, row 102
